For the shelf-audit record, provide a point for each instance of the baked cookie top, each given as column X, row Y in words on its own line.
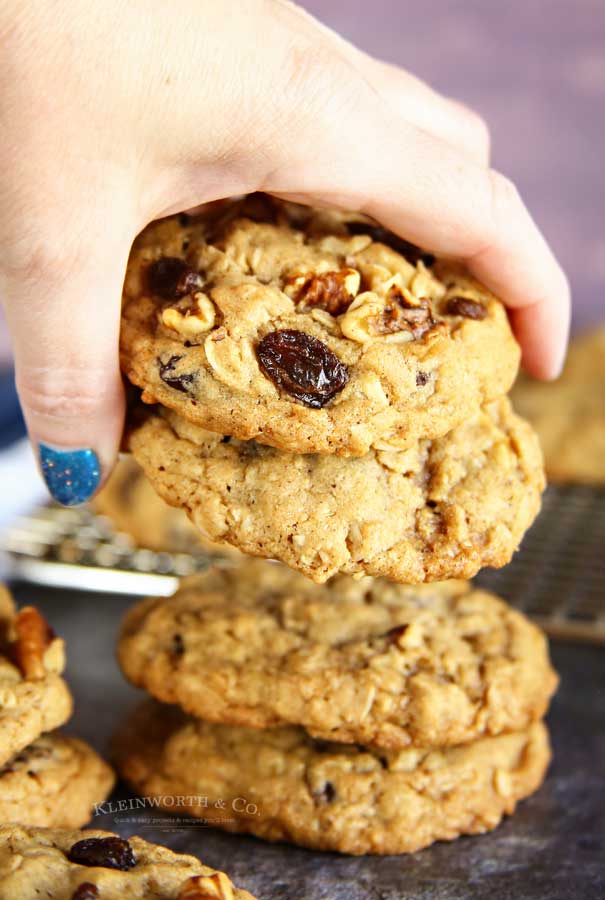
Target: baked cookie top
column 363, row 661
column 34, row 698
column 280, row 784
column 53, row 782
column 99, row 865
column 309, row 331
column 442, row 509
column 569, row 414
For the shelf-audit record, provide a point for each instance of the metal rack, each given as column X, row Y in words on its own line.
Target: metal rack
column 558, row 575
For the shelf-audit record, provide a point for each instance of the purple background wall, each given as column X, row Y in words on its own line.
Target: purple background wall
column 535, row 70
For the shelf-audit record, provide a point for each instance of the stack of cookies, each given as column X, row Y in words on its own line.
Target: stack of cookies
column 46, row 778
column 314, row 390
column 359, row 716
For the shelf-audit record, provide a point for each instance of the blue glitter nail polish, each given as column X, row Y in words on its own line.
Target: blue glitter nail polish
column 71, row 476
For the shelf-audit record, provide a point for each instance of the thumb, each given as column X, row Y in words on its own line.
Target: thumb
column 63, row 315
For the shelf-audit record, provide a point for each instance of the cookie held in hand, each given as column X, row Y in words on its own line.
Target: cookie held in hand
column 310, row 331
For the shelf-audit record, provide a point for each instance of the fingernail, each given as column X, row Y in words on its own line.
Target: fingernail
column 71, row 476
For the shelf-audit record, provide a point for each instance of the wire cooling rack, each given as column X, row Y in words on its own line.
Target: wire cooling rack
column 76, row 549
column 557, row 578
column 558, row 575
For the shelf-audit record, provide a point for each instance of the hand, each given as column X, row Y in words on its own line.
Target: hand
column 116, row 113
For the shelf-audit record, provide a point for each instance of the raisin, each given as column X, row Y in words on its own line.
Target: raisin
column 263, row 208
column 170, row 277
column 108, row 853
column 85, row 891
column 302, row 366
column 463, row 306
column 422, row 378
column 178, row 645
column 182, row 382
column 383, row 236
column 327, row 793
column 327, row 291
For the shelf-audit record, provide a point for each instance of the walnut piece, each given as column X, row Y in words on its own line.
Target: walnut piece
column 398, row 316
column 207, row 887
column 330, row 291
column 191, row 316
column 32, row 637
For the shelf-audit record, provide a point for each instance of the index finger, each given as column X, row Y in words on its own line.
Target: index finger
column 483, row 220
column 431, row 194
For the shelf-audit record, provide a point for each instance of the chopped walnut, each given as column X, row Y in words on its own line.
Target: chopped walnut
column 356, row 323
column 398, row 316
column 32, row 637
column 191, row 316
column 207, row 887
column 330, row 291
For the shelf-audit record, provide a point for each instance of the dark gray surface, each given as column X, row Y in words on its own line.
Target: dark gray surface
column 553, row 848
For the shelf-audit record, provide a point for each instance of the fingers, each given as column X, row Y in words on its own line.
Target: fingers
column 355, row 154
column 64, row 321
column 415, row 101
column 409, row 97
column 517, row 263
column 543, row 357
column 423, row 174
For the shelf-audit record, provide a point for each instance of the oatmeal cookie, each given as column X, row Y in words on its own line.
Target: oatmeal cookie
column 442, row 509
column 281, row 784
column 34, row 698
column 309, row 332
column 54, row 782
column 99, row 865
column 364, row 661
